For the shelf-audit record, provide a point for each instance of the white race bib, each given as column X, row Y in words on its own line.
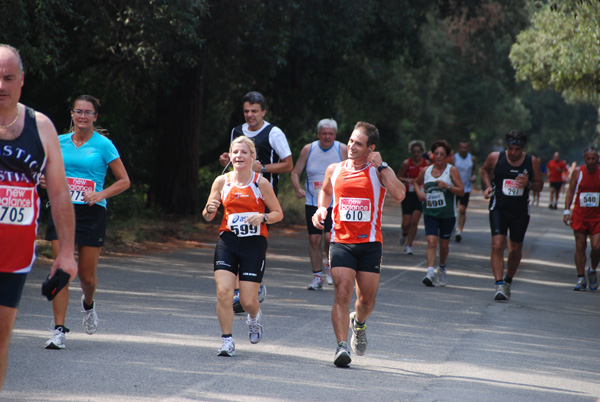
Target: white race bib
column 511, row 188
column 589, row 200
column 355, row 209
column 78, row 188
column 435, row 199
column 237, row 224
column 16, row 205
column 316, row 185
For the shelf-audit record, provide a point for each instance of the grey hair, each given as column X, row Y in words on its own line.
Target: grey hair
column 590, row 148
column 414, row 143
column 327, row 123
column 16, row 52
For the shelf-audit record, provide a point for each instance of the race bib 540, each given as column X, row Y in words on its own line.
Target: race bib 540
column 16, row 205
column 589, row 200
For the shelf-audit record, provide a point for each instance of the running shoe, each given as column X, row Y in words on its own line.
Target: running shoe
column 262, row 292
column 408, row 250
column 359, row 336
column 593, row 278
column 429, row 279
column 227, row 348
column 580, row 285
column 254, row 328
column 316, row 284
column 90, row 318
column 57, row 341
column 502, row 295
column 402, row 240
column 237, row 306
column 328, row 272
column 442, row 279
column 458, row 236
column 342, row 355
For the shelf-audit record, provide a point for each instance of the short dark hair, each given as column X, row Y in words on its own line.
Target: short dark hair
column 87, row 98
column 516, row 137
column 370, row 130
column 590, row 148
column 254, row 98
column 441, row 143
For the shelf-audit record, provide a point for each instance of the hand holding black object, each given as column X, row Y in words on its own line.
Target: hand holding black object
column 53, row 285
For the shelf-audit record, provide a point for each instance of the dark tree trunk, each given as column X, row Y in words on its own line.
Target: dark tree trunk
column 174, row 186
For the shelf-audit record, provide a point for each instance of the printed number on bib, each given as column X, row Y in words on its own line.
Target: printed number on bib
column 436, row 199
column 316, row 185
column 78, row 187
column 511, row 188
column 589, row 200
column 355, row 209
column 236, row 223
column 16, row 205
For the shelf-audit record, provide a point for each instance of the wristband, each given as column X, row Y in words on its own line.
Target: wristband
column 321, row 209
column 567, row 212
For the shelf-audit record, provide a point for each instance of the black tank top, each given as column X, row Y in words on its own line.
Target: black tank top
column 264, row 152
column 506, row 195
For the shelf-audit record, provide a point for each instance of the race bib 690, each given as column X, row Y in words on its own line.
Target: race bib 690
column 16, row 205
column 237, row 224
column 355, row 209
column 435, row 199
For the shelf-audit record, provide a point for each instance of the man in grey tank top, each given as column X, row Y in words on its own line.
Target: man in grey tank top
column 465, row 163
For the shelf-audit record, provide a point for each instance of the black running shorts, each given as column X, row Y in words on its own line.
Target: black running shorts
column 502, row 221
column 90, row 225
column 411, row 203
column 310, row 211
column 439, row 227
column 11, row 289
column 243, row 255
column 364, row 257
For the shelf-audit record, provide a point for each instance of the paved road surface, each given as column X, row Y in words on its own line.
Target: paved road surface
column 158, row 332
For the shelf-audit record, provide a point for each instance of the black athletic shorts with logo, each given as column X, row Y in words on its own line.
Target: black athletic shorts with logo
column 358, row 256
column 90, row 225
column 243, row 255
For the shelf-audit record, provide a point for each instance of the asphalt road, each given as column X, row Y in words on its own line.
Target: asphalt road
column 158, row 332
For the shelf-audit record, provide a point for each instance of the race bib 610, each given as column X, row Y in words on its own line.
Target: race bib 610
column 355, row 209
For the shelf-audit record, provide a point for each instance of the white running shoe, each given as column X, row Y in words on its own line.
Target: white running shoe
column 328, row 272
column 408, row 250
column 227, row 348
column 359, row 336
column 57, row 341
column 402, row 240
column 316, row 284
column 90, row 318
column 442, row 279
column 255, row 328
column 342, row 355
column 429, row 279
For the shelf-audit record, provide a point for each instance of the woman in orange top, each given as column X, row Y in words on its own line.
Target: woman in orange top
column 242, row 243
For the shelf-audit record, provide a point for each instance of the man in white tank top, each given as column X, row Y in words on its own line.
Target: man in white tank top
column 314, row 159
column 465, row 163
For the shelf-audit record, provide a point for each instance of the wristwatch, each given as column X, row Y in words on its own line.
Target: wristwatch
column 263, row 170
column 266, row 217
column 382, row 166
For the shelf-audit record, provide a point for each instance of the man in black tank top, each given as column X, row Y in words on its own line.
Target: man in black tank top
column 507, row 178
column 28, row 147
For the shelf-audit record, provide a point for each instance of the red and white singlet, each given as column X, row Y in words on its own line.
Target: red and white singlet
column 239, row 203
column 587, row 195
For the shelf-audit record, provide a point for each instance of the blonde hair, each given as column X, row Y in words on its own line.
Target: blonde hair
column 249, row 142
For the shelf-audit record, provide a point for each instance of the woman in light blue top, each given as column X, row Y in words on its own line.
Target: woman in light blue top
column 87, row 156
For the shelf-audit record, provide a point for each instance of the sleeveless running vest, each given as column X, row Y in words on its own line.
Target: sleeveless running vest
column 440, row 202
column 264, row 152
column 239, row 203
column 358, row 198
column 22, row 162
column 413, row 171
column 587, row 195
column 506, row 195
column 465, row 168
column 316, row 165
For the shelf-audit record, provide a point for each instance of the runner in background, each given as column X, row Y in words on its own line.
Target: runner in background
column 466, row 165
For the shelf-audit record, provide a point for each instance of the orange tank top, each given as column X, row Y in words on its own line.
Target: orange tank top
column 358, row 198
column 240, row 202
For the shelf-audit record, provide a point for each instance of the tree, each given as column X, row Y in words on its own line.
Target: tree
column 561, row 50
